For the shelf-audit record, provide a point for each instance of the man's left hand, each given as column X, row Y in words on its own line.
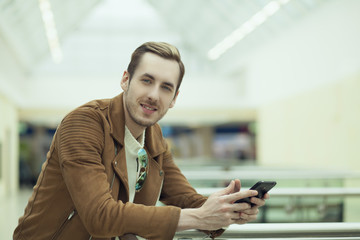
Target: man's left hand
column 250, row 214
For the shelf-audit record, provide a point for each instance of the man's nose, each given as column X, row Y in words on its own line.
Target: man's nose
column 154, row 93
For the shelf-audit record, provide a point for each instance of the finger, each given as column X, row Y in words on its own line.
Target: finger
column 234, row 216
column 257, row 201
column 240, row 221
column 240, row 207
column 266, row 196
column 242, row 194
column 229, row 189
column 247, row 217
column 251, row 211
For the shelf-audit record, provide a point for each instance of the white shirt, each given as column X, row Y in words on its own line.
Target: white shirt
column 132, row 146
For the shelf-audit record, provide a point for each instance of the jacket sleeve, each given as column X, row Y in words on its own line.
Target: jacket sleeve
column 177, row 191
column 80, row 140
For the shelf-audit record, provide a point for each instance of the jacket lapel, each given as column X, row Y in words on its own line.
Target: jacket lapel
column 117, row 130
column 121, row 170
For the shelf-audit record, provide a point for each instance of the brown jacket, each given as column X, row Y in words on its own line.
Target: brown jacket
column 82, row 190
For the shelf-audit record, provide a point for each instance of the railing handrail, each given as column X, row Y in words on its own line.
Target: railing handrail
column 300, row 192
column 282, row 230
column 251, row 174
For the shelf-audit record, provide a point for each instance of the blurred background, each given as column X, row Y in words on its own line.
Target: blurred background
column 271, row 92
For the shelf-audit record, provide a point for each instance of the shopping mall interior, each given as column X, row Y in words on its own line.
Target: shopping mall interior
column 271, row 92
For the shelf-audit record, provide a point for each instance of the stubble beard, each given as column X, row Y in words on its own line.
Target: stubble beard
column 131, row 109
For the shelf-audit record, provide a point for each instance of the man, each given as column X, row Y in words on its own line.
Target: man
column 108, row 165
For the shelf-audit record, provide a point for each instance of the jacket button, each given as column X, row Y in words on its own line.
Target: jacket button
column 161, row 173
column 115, row 163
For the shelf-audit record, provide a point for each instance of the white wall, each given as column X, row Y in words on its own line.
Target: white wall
column 9, row 139
column 317, row 129
column 10, row 96
column 11, row 74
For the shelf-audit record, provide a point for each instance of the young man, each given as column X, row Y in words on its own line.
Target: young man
column 108, row 165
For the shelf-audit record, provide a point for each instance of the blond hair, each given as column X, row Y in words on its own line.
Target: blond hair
column 162, row 49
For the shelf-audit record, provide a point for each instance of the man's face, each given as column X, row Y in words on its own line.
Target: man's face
column 151, row 91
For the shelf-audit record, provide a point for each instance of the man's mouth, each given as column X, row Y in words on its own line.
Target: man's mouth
column 149, row 109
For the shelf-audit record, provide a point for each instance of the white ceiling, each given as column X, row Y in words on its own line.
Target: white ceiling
column 97, row 38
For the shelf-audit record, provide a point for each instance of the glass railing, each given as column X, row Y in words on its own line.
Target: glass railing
column 303, row 204
column 301, row 195
column 211, row 176
column 283, row 231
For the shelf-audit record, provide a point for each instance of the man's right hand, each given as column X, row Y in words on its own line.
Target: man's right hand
column 219, row 210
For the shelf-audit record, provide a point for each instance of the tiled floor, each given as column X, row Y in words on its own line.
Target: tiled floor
column 11, row 208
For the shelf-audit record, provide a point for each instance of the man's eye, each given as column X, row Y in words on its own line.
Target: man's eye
column 167, row 88
column 146, row 80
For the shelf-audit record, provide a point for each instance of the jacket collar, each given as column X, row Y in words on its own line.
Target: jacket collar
column 154, row 143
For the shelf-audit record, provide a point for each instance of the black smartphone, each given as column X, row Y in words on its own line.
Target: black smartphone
column 261, row 187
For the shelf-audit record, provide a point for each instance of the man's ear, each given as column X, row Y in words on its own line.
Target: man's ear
column 125, row 81
column 174, row 100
